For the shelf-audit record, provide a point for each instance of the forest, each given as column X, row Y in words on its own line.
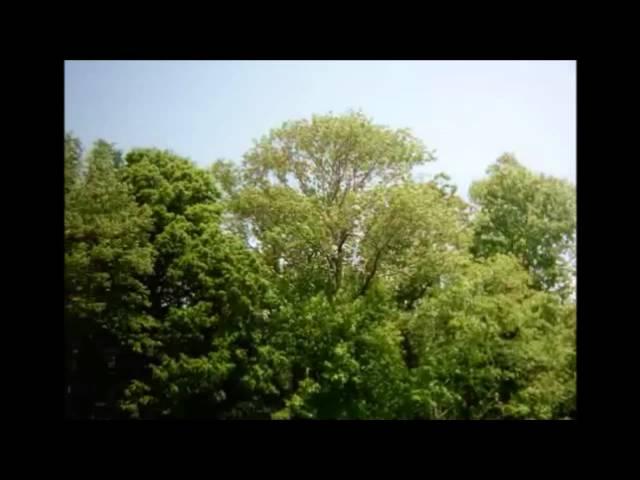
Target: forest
column 316, row 279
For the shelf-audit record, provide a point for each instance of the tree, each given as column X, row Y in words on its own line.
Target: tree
column 209, row 337
column 72, row 161
column 208, row 298
column 344, row 359
column 106, row 255
column 530, row 216
column 227, row 176
column 332, row 198
column 333, row 211
column 491, row 347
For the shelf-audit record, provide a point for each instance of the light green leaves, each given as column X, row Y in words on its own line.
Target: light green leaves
column 530, row 216
column 318, row 281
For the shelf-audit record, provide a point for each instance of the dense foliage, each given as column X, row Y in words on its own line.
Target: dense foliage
column 316, row 280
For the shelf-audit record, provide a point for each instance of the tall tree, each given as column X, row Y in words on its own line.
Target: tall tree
column 530, row 216
column 208, row 296
column 333, row 210
column 332, row 197
column 106, row 256
column 72, row 161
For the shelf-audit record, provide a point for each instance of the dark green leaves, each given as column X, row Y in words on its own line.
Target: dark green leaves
column 317, row 281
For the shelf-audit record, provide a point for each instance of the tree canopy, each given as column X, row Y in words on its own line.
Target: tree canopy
column 316, row 279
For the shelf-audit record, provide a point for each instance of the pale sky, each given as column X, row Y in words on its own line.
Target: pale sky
column 470, row 112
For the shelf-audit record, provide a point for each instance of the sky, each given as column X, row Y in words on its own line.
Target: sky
column 469, row 112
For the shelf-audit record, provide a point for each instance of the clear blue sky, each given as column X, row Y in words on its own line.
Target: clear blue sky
column 470, row 112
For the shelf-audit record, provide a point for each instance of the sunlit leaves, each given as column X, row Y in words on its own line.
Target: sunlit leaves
column 318, row 281
column 530, row 216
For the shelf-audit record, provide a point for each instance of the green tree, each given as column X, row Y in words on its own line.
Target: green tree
column 530, row 216
column 332, row 198
column 491, row 347
column 72, row 161
column 209, row 300
column 107, row 254
column 344, row 358
column 351, row 239
column 227, row 176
